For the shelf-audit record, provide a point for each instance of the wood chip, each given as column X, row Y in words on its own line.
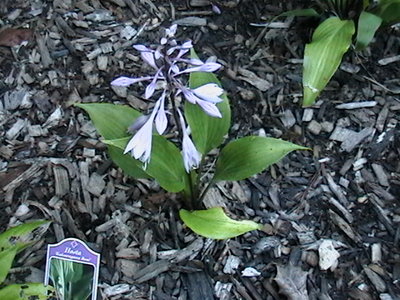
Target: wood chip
column 251, row 78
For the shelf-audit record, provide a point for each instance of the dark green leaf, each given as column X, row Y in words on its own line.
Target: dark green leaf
column 322, row 56
column 112, row 122
column 215, row 224
column 368, row 24
column 250, row 155
column 388, row 11
column 308, row 12
column 166, row 164
column 207, row 132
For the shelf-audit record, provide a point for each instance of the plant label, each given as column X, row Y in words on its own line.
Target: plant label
column 72, row 268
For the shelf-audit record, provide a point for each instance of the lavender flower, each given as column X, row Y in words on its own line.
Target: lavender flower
column 169, row 66
column 191, row 157
column 140, row 144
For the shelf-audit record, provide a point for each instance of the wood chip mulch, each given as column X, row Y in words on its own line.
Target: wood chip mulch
column 331, row 215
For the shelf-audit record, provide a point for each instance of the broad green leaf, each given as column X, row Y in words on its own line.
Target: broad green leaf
column 388, row 11
column 19, row 235
column 322, row 56
column 368, row 24
column 112, row 122
column 250, row 155
column 307, row 12
column 213, row 223
column 127, row 163
column 166, row 164
column 6, row 259
column 25, row 291
column 207, row 132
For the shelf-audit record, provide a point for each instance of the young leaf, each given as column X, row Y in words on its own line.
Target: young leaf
column 6, row 259
column 215, row 224
column 368, row 24
column 166, row 165
column 322, row 56
column 19, row 235
column 388, row 11
column 112, row 122
column 207, row 132
column 250, row 155
column 25, row 291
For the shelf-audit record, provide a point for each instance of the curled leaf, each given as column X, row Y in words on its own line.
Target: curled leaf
column 215, row 224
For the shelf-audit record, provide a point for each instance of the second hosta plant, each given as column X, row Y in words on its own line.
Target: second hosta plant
column 347, row 21
column 191, row 106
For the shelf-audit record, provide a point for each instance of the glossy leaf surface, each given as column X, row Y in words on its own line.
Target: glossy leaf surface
column 250, row 155
column 215, row 224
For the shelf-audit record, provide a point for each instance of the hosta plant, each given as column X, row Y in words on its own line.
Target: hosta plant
column 12, row 242
column 344, row 22
column 193, row 109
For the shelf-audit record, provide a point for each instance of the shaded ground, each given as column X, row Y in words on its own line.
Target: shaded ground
column 343, row 194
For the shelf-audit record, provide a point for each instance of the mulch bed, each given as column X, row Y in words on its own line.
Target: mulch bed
column 339, row 200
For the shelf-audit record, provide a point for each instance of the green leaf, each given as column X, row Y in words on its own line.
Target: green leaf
column 25, row 291
column 166, row 164
column 6, row 259
column 388, row 11
column 112, row 122
column 207, row 132
column 19, row 235
column 250, row 155
column 322, row 56
column 368, row 24
column 213, row 223
column 308, row 12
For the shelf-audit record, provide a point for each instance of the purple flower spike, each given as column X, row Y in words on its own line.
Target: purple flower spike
column 139, row 122
column 191, row 157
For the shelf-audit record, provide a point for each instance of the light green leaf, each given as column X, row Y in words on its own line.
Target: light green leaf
column 388, row 11
column 166, row 164
column 19, row 235
column 322, row 56
column 25, row 291
column 6, row 259
column 250, row 155
column 112, row 122
column 207, row 132
column 368, row 24
column 215, row 224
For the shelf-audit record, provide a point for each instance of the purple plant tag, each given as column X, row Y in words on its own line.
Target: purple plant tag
column 73, row 269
